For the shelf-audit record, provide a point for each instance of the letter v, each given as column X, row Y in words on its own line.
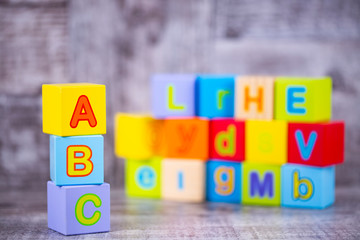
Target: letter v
column 305, row 149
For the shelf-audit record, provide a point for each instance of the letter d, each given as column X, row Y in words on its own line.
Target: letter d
column 298, row 194
column 225, row 142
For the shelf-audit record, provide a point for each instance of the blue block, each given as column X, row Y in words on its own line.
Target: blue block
column 215, row 95
column 77, row 160
column 223, row 181
column 307, row 187
column 173, row 95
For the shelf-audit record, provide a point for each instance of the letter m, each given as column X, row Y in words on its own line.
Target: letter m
column 261, row 188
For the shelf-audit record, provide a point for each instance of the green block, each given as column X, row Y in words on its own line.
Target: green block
column 261, row 184
column 303, row 99
column 142, row 178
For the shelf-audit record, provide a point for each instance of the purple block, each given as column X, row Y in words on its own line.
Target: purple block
column 173, row 95
column 78, row 209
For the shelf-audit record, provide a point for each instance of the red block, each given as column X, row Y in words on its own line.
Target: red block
column 316, row 144
column 227, row 139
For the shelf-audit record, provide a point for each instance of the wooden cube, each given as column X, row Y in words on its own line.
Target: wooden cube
column 223, row 181
column 187, row 138
column 137, row 136
column 303, row 99
column 227, row 139
column 183, row 180
column 78, row 209
column 261, row 184
column 215, row 96
column 74, row 109
column 307, row 187
column 142, row 178
column 77, row 160
column 173, row 95
column 254, row 97
column 316, row 144
column 266, row 142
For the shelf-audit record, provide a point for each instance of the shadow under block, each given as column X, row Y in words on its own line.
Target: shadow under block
column 254, row 97
column 227, row 139
column 307, row 187
column 183, row 180
column 261, row 184
column 223, row 181
column 74, row 109
column 142, row 178
column 173, row 95
column 215, row 96
column 78, row 209
column 77, row 160
column 303, row 99
column 266, row 142
column 187, row 138
column 137, row 136
column 316, row 144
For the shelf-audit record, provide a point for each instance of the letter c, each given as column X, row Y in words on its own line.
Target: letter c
column 79, row 209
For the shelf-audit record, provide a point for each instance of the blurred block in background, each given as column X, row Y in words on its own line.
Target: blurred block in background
column 183, row 180
column 223, row 181
column 142, row 177
column 254, row 97
column 215, row 96
column 303, row 99
column 307, row 187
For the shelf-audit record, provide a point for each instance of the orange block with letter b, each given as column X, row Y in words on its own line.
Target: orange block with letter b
column 186, row 138
column 74, row 109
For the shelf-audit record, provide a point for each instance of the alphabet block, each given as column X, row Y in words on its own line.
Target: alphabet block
column 261, row 184
column 183, row 180
column 187, row 138
column 137, row 136
column 215, row 96
column 142, row 178
column 266, row 142
column 77, row 160
column 173, row 95
column 303, row 99
column 223, row 181
column 254, row 97
column 307, row 187
column 78, row 209
column 316, row 144
column 74, row 109
column 227, row 139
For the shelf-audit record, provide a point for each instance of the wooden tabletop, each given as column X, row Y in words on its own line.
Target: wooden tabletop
column 23, row 215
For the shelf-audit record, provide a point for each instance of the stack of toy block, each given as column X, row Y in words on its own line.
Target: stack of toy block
column 78, row 199
column 241, row 139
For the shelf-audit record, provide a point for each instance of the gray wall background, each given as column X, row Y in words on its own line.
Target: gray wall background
column 121, row 43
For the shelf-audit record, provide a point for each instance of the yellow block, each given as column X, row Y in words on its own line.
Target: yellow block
column 266, row 142
column 74, row 109
column 137, row 136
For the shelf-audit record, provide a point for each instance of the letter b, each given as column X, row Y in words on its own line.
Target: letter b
column 78, row 155
column 303, row 187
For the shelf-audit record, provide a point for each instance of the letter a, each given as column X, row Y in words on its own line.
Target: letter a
column 83, row 112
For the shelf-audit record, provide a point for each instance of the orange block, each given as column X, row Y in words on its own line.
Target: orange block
column 187, row 138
